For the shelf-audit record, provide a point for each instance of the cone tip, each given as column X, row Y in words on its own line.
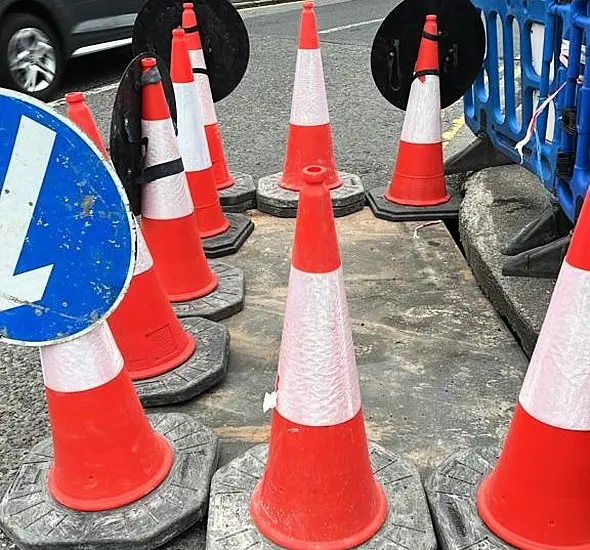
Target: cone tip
column 148, row 62
column 178, row 32
column 431, row 18
column 75, row 97
column 308, row 5
column 187, row 6
column 315, row 174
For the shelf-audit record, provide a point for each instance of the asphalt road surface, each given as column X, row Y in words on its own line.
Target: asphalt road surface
column 366, row 126
column 254, row 121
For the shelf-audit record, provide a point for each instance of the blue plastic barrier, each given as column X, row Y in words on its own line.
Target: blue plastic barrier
column 485, row 112
column 574, row 105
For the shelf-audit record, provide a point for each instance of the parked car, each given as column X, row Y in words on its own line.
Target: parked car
column 37, row 37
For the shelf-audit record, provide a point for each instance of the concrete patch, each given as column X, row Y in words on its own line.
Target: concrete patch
column 438, row 369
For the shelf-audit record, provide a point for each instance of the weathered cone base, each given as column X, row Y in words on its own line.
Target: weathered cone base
column 282, row 203
column 206, row 368
column 407, row 525
column 225, row 301
column 452, row 491
column 241, row 196
column 230, row 241
column 35, row 521
column 386, row 210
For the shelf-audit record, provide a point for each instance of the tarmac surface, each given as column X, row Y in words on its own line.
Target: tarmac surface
column 439, row 369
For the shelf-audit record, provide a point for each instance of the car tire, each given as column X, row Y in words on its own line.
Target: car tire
column 40, row 72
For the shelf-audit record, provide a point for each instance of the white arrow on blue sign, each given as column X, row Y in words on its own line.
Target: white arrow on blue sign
column 67, row 235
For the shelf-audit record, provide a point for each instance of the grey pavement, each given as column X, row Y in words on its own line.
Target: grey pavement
column 439, row 369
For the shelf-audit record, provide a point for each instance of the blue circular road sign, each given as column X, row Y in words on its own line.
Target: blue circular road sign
column 67, row 236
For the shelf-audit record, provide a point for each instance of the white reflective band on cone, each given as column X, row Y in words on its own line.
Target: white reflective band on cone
column 162, row 145
column 318, row 380
column 167, row 198
column 203, row 87
column 192, row 139
column 85, row 363
column 556, row 390
column 144, row 260
column 423, row 120
column 310, row 102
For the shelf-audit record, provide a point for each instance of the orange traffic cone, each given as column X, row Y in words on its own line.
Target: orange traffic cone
column 418, row 189
column 170, row 362
column 318, row 489
column 149, row 335
column 80, row 114
column 222, row 175
column 106, row 460
column 193, row 141
column 419, row 178
column 310, row 131
column 310, row 137
column 106, row 453
column 168, row 218
column 538, row 495
column 221, row 235
column 314, row 486
column 145, row 327
column 237, row 191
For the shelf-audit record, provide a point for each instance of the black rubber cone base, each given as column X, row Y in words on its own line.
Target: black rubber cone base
column 550, row 225
column 392, row 212
column 408, row 524
column 478, row 155
column 35, row 521
column 230, row 241
column 543, row 262
column 241, row 196
column 452, row 491
column 206, row 368
column 282, row 203
column 225, row 301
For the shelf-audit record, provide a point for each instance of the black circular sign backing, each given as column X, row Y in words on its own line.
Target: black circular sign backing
column 225, row 41
column 396, row 45
column 126, row 134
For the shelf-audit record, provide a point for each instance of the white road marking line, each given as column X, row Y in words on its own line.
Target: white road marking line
column 87, row 93
column 351, row 26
